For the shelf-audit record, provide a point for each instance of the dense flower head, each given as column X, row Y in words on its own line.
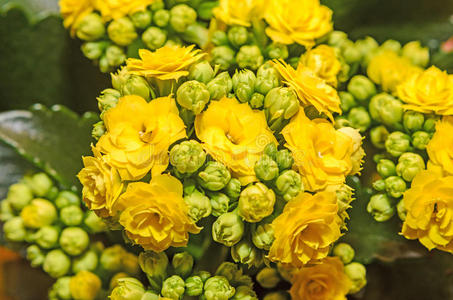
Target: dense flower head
column 166, row 63
column 430, row 91
column 139, row 134
column 154, row 215
column 440, row 147
column 115, row 9
column 324, row 281
column 306, row 229
column 239, row 12
column 234, row 134
column 429, row 205
column 322, row 155
column 310, row 89
column 297, row 21
column 73, row 12
column 324, row 63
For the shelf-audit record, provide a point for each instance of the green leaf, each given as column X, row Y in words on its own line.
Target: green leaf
column 34, row 9
column 53, row 140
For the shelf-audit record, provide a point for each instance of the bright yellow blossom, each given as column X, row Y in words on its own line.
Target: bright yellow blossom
column 155, row 215
column 440, row 147
column 297, row 21
column 321, row 154
column 429, row 205
column 357, row 151
column 324, row 63
column 166, row 63
column 239, row 12
column 428, row 92
column 306, row 229
column 139, row 134
column 73, row 12
column 115, row 9
column 235, row 135
column 310, row 89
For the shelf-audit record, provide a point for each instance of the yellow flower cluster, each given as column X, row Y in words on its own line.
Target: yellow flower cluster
column 324, row 63
column 239, row 12
column 440, row 147
column 115, row 9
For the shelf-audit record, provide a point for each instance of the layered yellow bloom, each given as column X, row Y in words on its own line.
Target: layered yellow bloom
column 115, row 9
column 305, row 230
column 239, row 12
column 155, row 215
column 73, row 12
column 430, row 91
column 321, row 154
column 325, row 281
column 440, row 147
column 429, row 205
column 235, row 135
column 166, row 63
column 324, row 63
column 357, row 151
column 101, row 182
column 297, row 21
column 139, row 134
column 310, row 89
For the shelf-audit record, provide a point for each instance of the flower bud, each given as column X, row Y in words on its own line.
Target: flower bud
column 56, row 263
column 114, row 280
column 284, row 159
column 357, row 274
column 202, row 72
column 337, row 38
column 233, row 188
column 94, row 50
column 244, row 85
column 193, row 95
column 379, row 185
column 109, row 97
column 430, row 124
column 173, row 287
column 71, row 215
column 88, row 261
column 154, row 265
column 182, row 264
column 378, row 136
column 401, row 210
column 218, row 287
column 345, row 252
column 85, row 286
column 104, row 65
column 194, row 286
column 268, row 278
column 267, row 78
column 154, row 37
column 40, row 184
column 392, row 45
column 129, row 263
column 409, row 164
column 366, row 45
column 361, row 88
column 263, row 236
column 386, row 168
column 256, row 202
column 19, row 196
column 380, row 207
column 111, row 258
column 128, row 288
column 350, row 52
column 271, row 151
column 62, row 288
column 277, row 51
column 249, row 56
column 74, row 240
column 245, row 252
column 386, row 109
column 181, row 16
column 266, row 169
column 35, row 256
column 220, row 38
column 279, row 295
column 280, row 104
column 359, row 118
column 47, row 237
column 289, row 184
column 228, row 229
column 219, row 203
column 214, row 176
column 122, row 31
column 395, row 186
column 90, row 28
column 137, row 85
column 38, row 213
column 257, row 101
column 223, row 56
column 14, row 230
column 93, row 223
column 98, row 130
column 244, row 292
column 6, row 211
column 237, row 36
column 115, row 55
column 413, row 121
column 204, row 275
column 220, row 86
column 142, row 19
column 420, row 140
column 161, row 17
column 417, row 54
column 347, row 101
column 66, row 198
column 397, row 143
column 187, row 157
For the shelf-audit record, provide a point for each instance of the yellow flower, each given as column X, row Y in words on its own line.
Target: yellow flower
column 428, row 92
column 305, row 230
column 85, row 286
column 323, row 61
column 115, row 9
column 239, row 12
column 440, row 147
column 235, row 135
column 155, row 215
column 429, row 205
column 73, row 12
column 325, row 281
column 166, row 63
column 311, row 89
column 321, row 154
column 139, row 134
column 357, row 151
column 101, row 182
column 297, row 21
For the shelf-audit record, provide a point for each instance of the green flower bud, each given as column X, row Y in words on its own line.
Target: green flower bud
column 386, row 109
column 129, row 262
column 238, row 36
column 392, row 45
column 249, row 57
column 244, row 85
column 154, row 38
column 279, row 295
column 277, row 51
column 228, row 229
column 347, row 101
column 40, row 184
column 218, row 288
column 173, row 287
column 158, row 4
column 379, row 185
column 413, row 121
column 47, row 237
column 194, row 286
column 395, row 186
column 66, row 198
column 268, row 278
column 220, row 86
column 244, row 292
column 386, row 168
column 56, row 264
column 202, row 72
column 401, row 210
column 199, row 206
column 271, row 151
column 420, row 140
column 93, row 223
column 161, row 17
column 345, row 252
column 14, row 230
column 122, row 31
column 366, row 45
column 380, row 207
column 280, row 104
column 187, row 157
column 256, row 202
column 263, row 236
column 111, row 258
column 181, row 16
column 142, row 19
column 223, row 56
column 182, row 264
column 378, row 136
column 62, row 289
column 38, row 213
column 397, row 143
column 409, row 164
column 359, row 118
column 351, row 53
column 88, row 261
column 115, row 55
column 154, row 265
column 128, row 289
column 6, row 210
column 90, row 28
column 193, row 95
column 267, row 78
column 19, row 196
column 204, row 275
column 357, row 274
column 289, row 184
column 361, row 88
column 284, row 159
column 71, row 215
column 257, row 101
column 104, row 65
column 220, row 38
column 430, row 124
column 233, row 188
column 109, row 97
column 214, row 176
column 94, row 50
column 149, row 295
column 35, row 256
column 74, row 240
column 234, row 274
column 266, row 168
column 137, row 85
column 219, row 203
column 337, row 38
column 98, row 130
